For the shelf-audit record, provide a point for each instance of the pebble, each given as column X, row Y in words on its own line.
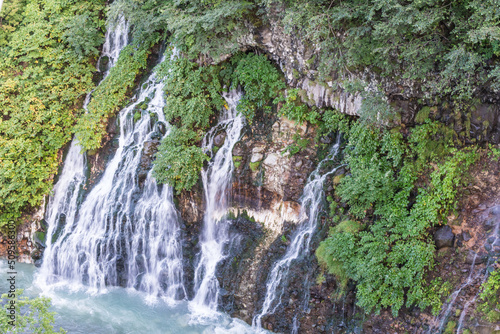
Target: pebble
column 491, row 240
column 487, row 247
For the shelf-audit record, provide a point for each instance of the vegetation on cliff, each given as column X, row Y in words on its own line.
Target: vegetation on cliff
column 193, row 97
column 48, row 49
column 398, row 188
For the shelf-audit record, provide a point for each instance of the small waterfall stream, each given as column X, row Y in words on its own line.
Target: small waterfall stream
column 216, row 179
column 311, row 204
column 63, row 204
column 474, row 277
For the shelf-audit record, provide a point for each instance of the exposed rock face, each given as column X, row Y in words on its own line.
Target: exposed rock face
column 267, row 184
column 299, row 60
column 147, row 157
column 30, row 239
column 444, row 237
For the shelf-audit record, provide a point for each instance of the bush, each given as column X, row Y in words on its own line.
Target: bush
column 179, row 162
column 390, row 258
column 490, row 297
column 44, row 78
column 34, row 318
column 260, row 81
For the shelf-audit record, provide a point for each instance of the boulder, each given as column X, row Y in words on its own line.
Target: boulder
column 473, row 257
column 444, row 237
column 219, row 139
column 256, row 157
column 271, row 160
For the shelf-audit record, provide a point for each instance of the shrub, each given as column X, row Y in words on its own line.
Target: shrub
column 34, row 318
column 490, row 297
column 390, row 258
column 44, row 78
column 179, row 162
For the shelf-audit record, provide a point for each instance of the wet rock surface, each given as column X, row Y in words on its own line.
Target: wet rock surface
column 444, row 237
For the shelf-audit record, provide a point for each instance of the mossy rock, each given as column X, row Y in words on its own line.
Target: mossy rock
column 144, row 105
column 422, row 115
column 137, row 116
column 254, row 166
column 336, row 179
column 311, row 60
column 215, row 149
column 237, row 161
column 450, row 327
column 40, row 239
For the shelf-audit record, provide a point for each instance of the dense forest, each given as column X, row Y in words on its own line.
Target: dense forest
column 407, row 163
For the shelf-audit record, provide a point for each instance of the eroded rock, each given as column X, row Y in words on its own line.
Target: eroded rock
column 444, row 237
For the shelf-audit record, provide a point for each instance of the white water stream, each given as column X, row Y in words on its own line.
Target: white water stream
column 63, row 204
column 216, row 179
column 124, row 233
column 311, row 204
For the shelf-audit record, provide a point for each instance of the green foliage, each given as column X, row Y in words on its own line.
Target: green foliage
column 490, row 297
column 110, row 95
column 332, row 206
column 297, row 111
column 389, row 259
column 193, row 92
column 299, row 144
column 43, row 81
column 333, row 121
column 254, row 166
column 179, row 162
column 193, row 95
column 435, row 292
column 451, row 326
column 32, row 315
column 260, row 80
column 11, row 15
column 196, row 26
column 494, row 152
column 444, row 45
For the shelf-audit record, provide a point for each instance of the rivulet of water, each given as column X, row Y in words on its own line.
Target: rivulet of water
column 216, row 179
column 67, row 192
column 311, row 205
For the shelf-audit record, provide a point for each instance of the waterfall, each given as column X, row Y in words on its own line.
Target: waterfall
column 115, row 40
column 63, row 204
column 127, row 232
column 216, row 179
column 311, row 200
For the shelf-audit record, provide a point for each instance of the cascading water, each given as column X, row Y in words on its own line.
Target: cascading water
column 216, row 183
column 125, row 234
column 63, row 204
column 116, row 39
column 311, row 201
